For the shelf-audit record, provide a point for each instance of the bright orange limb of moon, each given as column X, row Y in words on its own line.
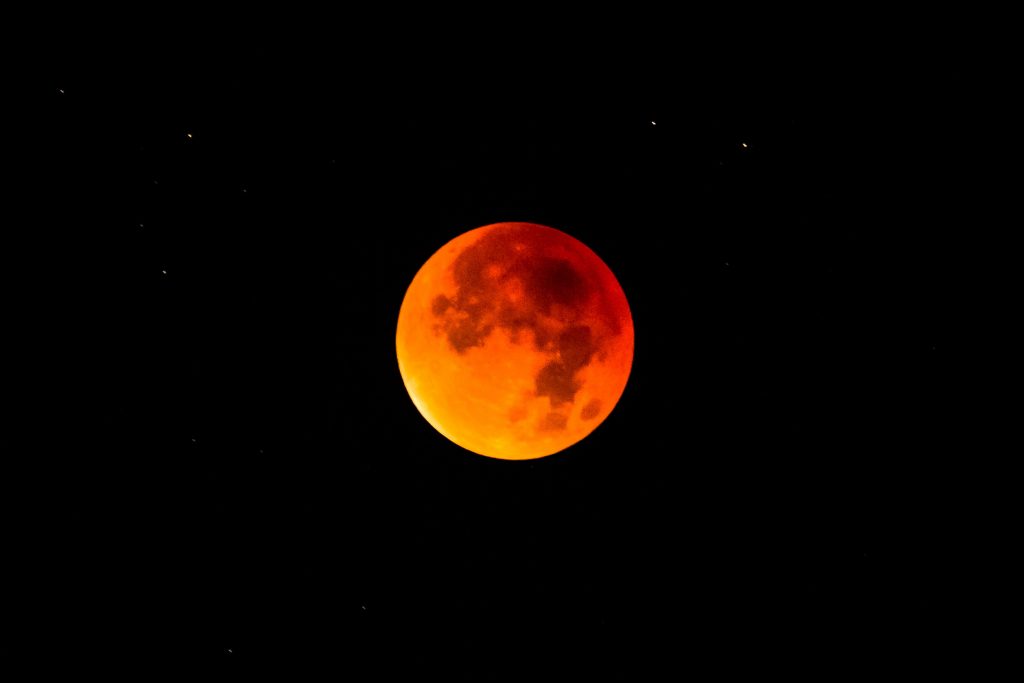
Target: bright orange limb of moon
column 515, row 340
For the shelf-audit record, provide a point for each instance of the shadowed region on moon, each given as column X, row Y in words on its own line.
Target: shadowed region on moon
column 515, row 340
column 591, row 410
column 554, row 421
column 502, row 283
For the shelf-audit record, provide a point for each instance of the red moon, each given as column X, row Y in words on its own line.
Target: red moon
column 515, row 340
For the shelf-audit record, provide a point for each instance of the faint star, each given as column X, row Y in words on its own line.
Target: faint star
column 60, row 90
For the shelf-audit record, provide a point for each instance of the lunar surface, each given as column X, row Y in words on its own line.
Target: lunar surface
column 515, row 340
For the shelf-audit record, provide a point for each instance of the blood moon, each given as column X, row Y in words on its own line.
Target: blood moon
column 515, row 340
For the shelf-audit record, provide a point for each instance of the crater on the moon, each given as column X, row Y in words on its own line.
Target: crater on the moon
column 591, row 410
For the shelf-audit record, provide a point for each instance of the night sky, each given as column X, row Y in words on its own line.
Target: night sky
column 244, row 483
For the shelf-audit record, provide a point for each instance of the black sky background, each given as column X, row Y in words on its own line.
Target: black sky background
column 243, row 483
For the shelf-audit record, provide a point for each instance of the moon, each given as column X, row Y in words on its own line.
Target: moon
column 515, row 340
